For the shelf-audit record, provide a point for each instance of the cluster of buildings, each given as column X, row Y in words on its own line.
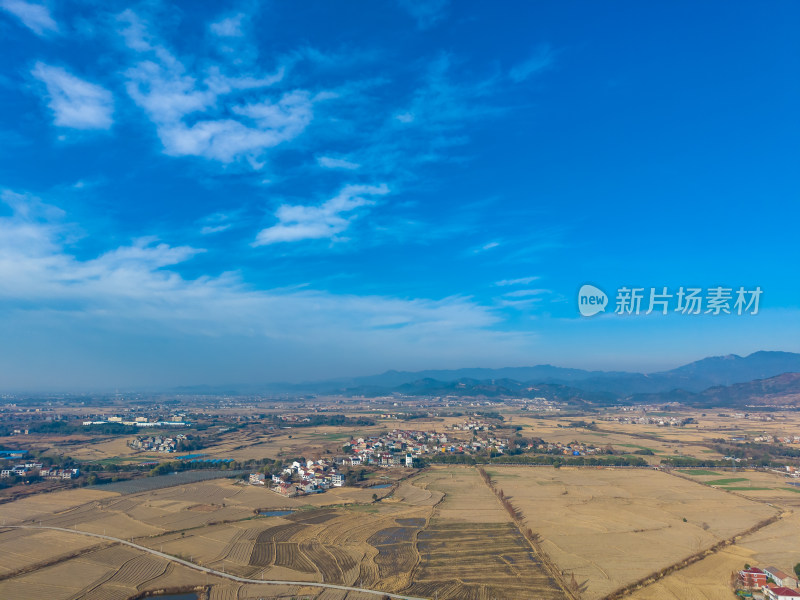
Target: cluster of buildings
column 157, row 443
column 771, row 581
column 294, row 418
column 753, row 416
column 780, row 439
column 381, row 459
column 175, row 421
column 472, row 426
column 399, row 447
column 311, row 477
column 647, row 420
column 32, row 468
column 540, row 404
column 405, row 415
column 570, row 449
column 140, row 421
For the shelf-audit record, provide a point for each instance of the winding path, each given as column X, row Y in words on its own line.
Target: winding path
column 214, row 572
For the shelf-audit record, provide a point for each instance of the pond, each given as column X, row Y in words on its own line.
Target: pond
column 380, row 487
column 275, row 513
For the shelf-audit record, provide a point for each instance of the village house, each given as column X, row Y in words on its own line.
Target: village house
column 753, row 578
column 780, row 578
column 56, row 473
column 18, row 470
column 315, row 476
column 157, row 443
column 780, row 593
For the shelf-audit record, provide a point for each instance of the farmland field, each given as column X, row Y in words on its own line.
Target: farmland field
column 610, row 527
column 775, row 544
column 443, row 533
column 472, row 549
column 162, row 481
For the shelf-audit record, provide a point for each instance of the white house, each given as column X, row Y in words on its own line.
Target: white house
column 781, row 578
column 780, row 593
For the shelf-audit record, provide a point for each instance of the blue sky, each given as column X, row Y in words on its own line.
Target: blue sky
column 272, row 191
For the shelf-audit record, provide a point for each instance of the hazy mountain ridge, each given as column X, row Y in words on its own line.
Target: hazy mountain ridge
column 782, row 389
column 699, row 382
column 693, row 377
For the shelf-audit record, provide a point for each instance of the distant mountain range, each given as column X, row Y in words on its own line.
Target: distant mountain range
column 781, row 390
column 718, row 380
column 693, row 377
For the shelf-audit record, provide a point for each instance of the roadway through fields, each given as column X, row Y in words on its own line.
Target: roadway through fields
column 197, row 567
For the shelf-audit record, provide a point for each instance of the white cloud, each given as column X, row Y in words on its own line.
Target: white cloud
column 422, row 127
column 443, row 102
column 541, row 60
column 216, row 223
column 519, row 281
column 136, row 293
column 329, row 162
column 199, row 114
column 209, row 229
column 297, row 222
column 229, row 27
column 75, row 103
column 527, row 293
column 426, row 12
column 35, row 17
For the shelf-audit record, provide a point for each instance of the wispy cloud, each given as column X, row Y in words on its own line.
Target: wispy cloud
column 487, row 246
column 541, row 60
column 35, row 17
column 75, row 103
column 136, row 290
column 297, row 222
column 426, row 12
column 199, row 114
column 444, row 102
column 216, row 223
column 329, row 162
column 527, row 293
column 229, row 27
column 519, row 281
column 426, row 126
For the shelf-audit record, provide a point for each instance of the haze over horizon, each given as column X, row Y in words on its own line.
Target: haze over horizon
column 769, row 360
column 295, row 193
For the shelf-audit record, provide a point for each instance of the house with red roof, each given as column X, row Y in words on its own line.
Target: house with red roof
column 780, row 593
column 753, row 578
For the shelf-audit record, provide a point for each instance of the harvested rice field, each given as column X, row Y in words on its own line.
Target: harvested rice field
column 442, row 534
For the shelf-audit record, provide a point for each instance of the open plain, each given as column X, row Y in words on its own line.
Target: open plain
column 443, row 533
